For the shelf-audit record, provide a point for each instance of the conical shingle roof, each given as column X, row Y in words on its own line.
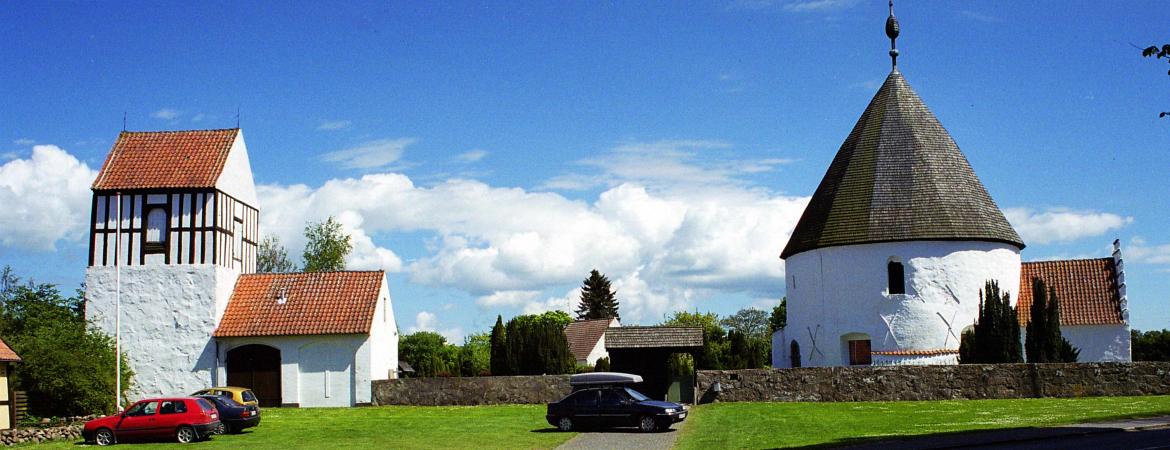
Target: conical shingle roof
column 899, row 177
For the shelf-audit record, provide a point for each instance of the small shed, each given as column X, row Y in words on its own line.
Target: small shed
column 7, row 403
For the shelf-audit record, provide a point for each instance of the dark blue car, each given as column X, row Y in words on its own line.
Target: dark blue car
column 233, row 415
column 613, row 406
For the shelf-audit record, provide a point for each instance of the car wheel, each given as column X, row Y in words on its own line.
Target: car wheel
column 185, row 435
column 647, row 424
column 565, row 424
column 104, row 437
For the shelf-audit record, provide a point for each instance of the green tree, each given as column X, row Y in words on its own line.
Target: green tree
column 427, row 352
column 327, row 246
column 602, row 365
column 475, row 355
column 753, row 327
column 271, row 257
column 499, row 349
column 536, row 344
column 1043, row 342
column 752, row 322
column 715, row 345
column 779, row 318
column 1157, row 52
column 1150, row 345
column 598, row 300
column 67, row 367
column 996, row 337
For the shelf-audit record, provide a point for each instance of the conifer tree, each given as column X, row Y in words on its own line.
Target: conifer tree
column 499, row 349
column 1044, row 342
column 598, row 301
column 996, row 338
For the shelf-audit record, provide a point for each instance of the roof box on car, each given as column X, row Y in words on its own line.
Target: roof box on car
column 603, row 378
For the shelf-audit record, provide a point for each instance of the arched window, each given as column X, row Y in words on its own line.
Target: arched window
column 794, row 354
column 897, row 276
column 156, row 226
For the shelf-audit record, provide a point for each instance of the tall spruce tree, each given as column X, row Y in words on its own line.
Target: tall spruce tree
column 1044, row 342
column 499, row 349
column 996, row 337
column 598, row 300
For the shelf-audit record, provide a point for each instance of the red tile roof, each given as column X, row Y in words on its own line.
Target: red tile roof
column 935, row 352
column 1087, row 290
column 583, row 336
column 315, row 303
column 166, row 159
column 6, row 354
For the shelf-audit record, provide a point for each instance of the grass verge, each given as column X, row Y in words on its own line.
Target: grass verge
column 768, row 425
column 400, row 427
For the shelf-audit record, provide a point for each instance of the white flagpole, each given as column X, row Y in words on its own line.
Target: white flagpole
column 118, row 310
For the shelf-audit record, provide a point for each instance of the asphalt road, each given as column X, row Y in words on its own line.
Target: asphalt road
column 1136, row 439
column 623, row 438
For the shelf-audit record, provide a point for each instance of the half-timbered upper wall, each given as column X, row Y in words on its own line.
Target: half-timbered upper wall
column 173, row 227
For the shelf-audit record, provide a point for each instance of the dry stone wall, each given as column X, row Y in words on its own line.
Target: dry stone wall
column 471, row 390
column 975, row 381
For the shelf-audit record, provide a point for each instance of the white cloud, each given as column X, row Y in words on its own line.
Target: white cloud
column 46, row 198
column 818, row 5
column 676, row 164
column 166, row 114
column 1140, row 251
column 332, row 125
column 507, row 298
column 1062, row 224
column 472, row 156
column 371, row 154
column 201, row 117
column 427, row 321
column 24, row 141
column 665, row 244
column 9, row 155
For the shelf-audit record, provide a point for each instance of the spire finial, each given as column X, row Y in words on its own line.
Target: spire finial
column 892, row 30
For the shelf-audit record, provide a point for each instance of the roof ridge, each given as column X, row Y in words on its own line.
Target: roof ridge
column 180, row 131
column 1103, row 258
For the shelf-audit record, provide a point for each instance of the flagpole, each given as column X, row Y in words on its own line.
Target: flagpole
column 118, row 310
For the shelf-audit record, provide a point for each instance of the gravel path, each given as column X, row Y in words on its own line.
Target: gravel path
column 624, row 438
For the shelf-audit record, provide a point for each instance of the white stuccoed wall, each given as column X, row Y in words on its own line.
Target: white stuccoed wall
column 236, row 178
column 168, row 316
column 383, row 338
column 836, row 291
column 304, row 361
column 1099, row 343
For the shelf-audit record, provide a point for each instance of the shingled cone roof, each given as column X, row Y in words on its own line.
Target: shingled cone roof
column 899, row 177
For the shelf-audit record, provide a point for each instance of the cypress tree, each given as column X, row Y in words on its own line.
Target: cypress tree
column 997, row 330
column 1044, row 341
column 598, row 301
column 499, row 349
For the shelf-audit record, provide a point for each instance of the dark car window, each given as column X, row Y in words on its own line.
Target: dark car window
column 583, row 398
column 142, row 409
column 205, row 405
column 613, row 397
column 172, row 407
column 248, row 396
column 636, row 395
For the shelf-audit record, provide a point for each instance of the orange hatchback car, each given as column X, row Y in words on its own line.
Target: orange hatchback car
column 241, row 395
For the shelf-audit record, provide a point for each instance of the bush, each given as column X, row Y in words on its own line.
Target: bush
column 67, row 367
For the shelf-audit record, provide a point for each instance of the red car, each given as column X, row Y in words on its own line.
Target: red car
column 184, row 419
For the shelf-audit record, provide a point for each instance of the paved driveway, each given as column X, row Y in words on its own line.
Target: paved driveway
column 624, row 438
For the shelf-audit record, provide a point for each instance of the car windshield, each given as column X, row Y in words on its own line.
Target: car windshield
column 637, row 395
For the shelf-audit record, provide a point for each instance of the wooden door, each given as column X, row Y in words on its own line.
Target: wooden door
column 256, row 367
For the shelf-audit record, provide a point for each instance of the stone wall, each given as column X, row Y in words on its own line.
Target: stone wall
column 39, row 435
column 934, row 382
column 471, row 390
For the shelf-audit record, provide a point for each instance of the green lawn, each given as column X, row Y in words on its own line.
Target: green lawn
column 767, row 425
column 502, row 426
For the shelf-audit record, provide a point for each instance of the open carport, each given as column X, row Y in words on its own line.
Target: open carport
column 646, row 350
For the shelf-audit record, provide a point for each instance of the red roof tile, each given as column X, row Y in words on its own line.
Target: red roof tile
column 166, row 159
column 315, row 303
column 583, row 336
column 6, row 354
column 935, row 352
column 1087, row 290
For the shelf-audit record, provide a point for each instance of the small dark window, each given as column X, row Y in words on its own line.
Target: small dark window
column 859, row 353
column 794, row 353
column 247, row 395
column 897, row 277
column 613, row 397
column 173, row 407
column 585, row 398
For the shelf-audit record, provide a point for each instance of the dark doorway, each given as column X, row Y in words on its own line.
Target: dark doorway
column 256, row 367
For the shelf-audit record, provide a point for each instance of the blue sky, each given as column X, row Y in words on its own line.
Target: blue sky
column 489, row 154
